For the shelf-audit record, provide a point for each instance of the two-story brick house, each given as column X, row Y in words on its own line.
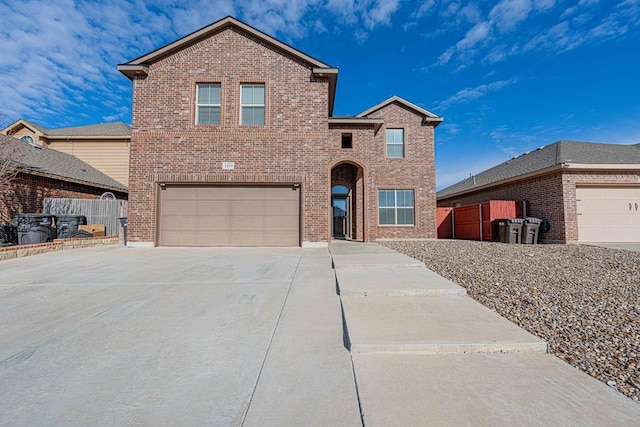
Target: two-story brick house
column 234, row 143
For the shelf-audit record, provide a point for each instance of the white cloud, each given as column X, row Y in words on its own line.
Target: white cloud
column 472, row 93
column 584, row 29
column 60, row 56
column 426, row 8
column 514, row 22
column 379, row 12
column 508, row 14
column 475, row 35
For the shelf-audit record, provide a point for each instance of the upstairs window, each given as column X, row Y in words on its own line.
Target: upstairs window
column 208, row 104
column 347, row 140
column 395, row 207
column 28, row 139
column 395, row 143
column 252, row 104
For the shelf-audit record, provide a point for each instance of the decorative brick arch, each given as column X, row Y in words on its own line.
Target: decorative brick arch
column 351, row 174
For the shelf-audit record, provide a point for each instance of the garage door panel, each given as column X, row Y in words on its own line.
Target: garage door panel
column 247, row 207
column 205, row 223
column 604, row 214
column 200, row 215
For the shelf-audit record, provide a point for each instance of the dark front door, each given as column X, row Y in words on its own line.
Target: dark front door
column 340, row 205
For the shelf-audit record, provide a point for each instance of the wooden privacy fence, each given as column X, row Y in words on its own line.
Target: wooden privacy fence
column 475, row 222
column 105, row 212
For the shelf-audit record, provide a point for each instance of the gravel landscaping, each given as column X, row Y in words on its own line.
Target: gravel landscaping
column 584, row 301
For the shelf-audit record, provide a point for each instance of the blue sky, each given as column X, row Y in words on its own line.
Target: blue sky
column 507, row 76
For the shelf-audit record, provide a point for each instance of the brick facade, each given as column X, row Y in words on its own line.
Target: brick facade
column 551, row 197
column 27, row 192
column 297, row 144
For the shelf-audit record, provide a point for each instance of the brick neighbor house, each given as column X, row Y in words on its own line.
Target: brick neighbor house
column 588, row 192
column 105, row 146
column 234, row 143
column 43, row 173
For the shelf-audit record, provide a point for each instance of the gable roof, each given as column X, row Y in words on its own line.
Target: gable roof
column 140, row 65
column 557, row 156
column 428, row 116
column 110, row 129
column 26, row 123
column 43, row 161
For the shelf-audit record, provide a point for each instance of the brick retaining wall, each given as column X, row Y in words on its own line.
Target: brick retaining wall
column 20, row 251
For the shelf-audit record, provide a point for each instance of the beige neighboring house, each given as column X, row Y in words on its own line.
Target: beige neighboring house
column 104, row 146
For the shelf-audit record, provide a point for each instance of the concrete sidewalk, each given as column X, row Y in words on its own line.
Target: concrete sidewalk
column 426, row 354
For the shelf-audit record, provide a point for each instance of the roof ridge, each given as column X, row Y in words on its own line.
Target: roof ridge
column 92, row 124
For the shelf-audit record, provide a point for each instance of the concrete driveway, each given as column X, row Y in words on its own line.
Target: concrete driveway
column 635, row 247
column 173, row 336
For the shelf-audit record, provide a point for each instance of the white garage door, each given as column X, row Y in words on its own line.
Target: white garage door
column 205, row 215
column 608, row 214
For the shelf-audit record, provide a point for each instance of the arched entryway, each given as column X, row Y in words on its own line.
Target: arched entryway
column 347, row 202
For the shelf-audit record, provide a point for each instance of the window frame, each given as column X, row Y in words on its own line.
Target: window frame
column 395, row 143
column 28, row 139
column 263, row 105
column 396, row 207
column 208, row 105
column 346, row 136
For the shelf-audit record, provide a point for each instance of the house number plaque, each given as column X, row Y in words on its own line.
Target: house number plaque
column 228, row 165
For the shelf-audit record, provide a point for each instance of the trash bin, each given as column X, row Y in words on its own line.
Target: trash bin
column 35, row 228
column 8, row 234
column 67, row 225
column 509, row 230
column 530, row 229
column 123, row 223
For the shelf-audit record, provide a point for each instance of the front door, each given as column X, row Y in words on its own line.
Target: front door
column 340, row 205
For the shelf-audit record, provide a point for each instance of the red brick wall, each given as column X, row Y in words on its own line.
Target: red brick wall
column 551, row 197
column 416, row 171
column 294, row 146
column 168, row 147
column 27, row 193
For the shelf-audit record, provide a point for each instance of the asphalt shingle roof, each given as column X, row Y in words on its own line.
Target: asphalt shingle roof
column 101, row 129
column 555, row 154
column 45, row 161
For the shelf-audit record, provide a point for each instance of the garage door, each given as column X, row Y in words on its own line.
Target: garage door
column 200, row 215
column 608, row 214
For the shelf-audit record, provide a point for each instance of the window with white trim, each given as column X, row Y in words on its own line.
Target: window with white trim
column 252, row 104
column 395, row 143
column 395, row 207
column 208, row 104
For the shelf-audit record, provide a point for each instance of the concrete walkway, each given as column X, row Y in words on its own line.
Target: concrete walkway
column 267, row 337
column 424, row 353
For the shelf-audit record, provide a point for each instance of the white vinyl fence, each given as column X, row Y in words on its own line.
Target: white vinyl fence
column 105, row 212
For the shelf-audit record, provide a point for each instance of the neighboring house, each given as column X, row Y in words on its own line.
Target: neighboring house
column 588, row 192
column 234, row 143
column 44, row 172
column 104, row 146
